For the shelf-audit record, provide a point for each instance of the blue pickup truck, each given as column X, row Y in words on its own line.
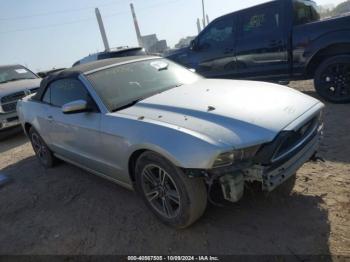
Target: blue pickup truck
column 280, row 40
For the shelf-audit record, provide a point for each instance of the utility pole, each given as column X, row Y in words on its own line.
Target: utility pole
column 137, row 29
column 102, row 29
column 203, row 13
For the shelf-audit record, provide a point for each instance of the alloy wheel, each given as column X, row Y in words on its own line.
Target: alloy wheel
column 160, row 191
column 335, row 80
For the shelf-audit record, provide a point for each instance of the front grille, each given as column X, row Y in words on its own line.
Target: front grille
column 9, row 107
column 11, row 119
column 13, row 97
column 9, row 102
column 286, row 144
column 295, row 139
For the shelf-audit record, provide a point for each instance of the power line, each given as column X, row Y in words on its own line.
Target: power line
column 82, row 20
column 56, row 12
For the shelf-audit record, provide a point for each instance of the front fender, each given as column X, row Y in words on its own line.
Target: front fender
column 184, row 148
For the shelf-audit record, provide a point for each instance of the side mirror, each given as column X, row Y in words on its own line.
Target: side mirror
column 193, row 45
column 77, row 106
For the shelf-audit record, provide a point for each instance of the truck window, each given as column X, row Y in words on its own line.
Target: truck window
column 217, row 34
column 305, row 11
column 260, row 20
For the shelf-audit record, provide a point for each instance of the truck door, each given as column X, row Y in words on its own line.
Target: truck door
column 213, row 53
column 261, row 47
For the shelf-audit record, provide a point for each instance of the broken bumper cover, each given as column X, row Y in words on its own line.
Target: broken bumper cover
column 271, row 178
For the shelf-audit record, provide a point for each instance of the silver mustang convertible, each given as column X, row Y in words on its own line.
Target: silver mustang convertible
column 151, row 125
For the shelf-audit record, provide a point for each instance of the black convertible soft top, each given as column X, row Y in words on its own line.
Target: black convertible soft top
column 75, row 71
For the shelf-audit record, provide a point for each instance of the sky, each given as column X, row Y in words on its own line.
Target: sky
column 43, row 34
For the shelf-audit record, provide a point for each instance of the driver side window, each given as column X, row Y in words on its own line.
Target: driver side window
column 217, row 34
column 63, row 91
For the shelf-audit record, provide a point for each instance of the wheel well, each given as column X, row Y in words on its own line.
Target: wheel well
column 132, row 163
column 27, row 126
column 321, row 55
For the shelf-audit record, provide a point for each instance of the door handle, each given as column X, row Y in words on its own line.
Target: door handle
column 50, row 118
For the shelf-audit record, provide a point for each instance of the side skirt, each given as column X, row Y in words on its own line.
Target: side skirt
column 123, row 184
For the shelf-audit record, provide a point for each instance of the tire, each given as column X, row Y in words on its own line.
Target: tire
column 332, row 79
column 42, row 152
column 176, row 199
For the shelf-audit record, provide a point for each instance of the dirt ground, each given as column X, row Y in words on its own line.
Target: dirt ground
column 65, row 210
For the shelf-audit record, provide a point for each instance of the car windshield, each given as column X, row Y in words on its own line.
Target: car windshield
column 14, row 73
column 123, row 85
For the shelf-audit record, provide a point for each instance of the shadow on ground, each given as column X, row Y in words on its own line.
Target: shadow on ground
column 65, row 210
column 12, row 138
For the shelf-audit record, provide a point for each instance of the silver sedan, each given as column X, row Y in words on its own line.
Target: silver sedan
column 151, row 125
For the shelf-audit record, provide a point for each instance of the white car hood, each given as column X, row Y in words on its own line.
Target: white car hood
column 19, row 85
column 232, row 112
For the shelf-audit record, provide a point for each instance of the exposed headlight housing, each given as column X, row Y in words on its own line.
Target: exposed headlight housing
column 235, row 156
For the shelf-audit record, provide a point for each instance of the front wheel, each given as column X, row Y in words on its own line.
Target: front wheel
column 332, row 79
column 174, row 198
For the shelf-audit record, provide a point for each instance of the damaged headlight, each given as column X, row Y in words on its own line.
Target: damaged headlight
column 235, row 156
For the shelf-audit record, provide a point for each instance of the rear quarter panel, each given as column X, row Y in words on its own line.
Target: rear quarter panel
column 310, row 38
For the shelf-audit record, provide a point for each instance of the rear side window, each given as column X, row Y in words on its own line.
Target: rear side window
column 261, row 20
column 305, row 12
column 65, row 91
column 47, row 96
column 218, row 33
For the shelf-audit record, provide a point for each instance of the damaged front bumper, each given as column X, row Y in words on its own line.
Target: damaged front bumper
column 272, row 176
column 232, row 178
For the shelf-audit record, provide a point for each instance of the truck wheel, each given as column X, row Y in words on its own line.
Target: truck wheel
column 332, row 79
column 174, row 198
column 42, row 152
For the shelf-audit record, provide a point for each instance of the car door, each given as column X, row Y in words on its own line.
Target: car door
column 261, row 47
column 213, row 54
column 75, row 136
column 42, row 111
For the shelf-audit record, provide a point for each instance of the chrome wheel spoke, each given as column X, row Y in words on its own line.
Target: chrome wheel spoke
column 162, row 175
column 152, row 195
column 150, row 177
column 160, row 190
column 173, row 196
column 167, row 207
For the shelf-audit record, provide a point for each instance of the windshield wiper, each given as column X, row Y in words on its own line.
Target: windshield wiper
column 128, row 104
column 142, row 98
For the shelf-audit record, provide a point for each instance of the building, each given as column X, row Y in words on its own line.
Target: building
column 184, row 42
column 153, row 45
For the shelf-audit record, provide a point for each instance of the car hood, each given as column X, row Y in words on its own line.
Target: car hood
column 230, row 112
column 16, row 86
